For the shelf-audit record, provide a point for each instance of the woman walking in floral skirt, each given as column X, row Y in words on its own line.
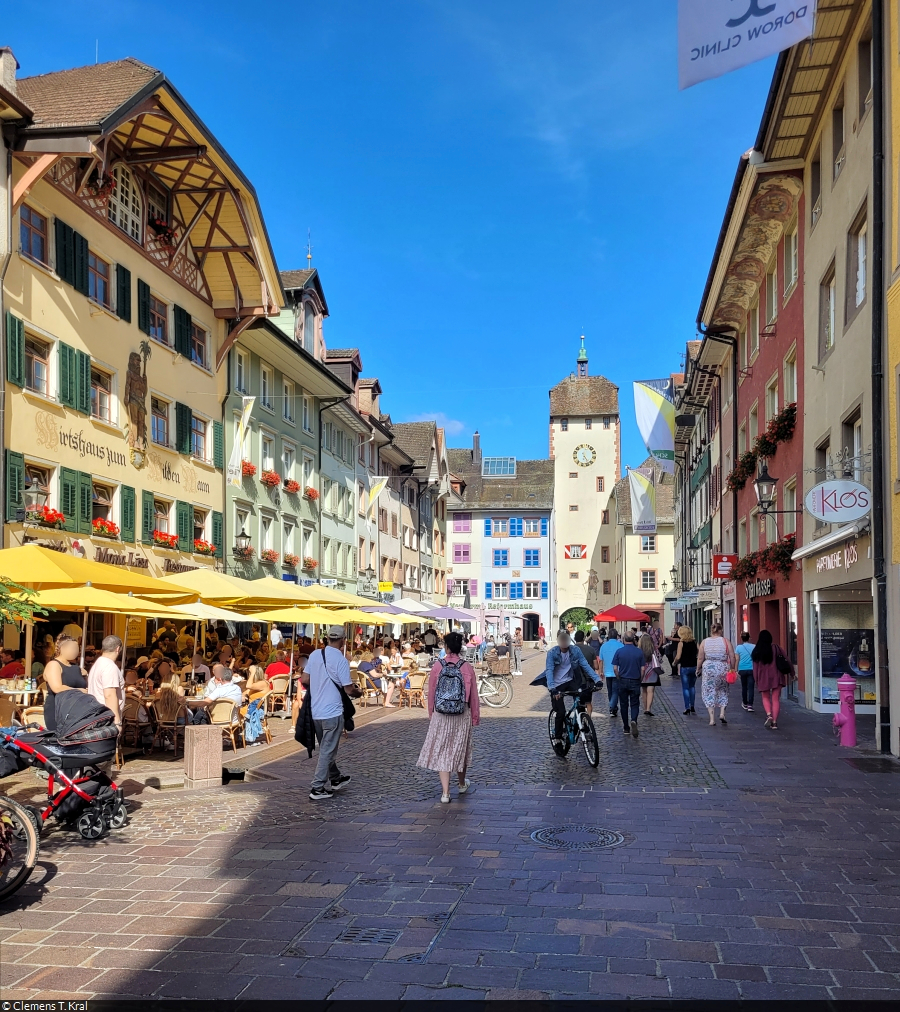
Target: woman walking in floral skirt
column 453, row 711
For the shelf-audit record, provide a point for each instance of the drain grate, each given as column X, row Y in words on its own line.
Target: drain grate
column 577, row 837
column 369, row 936
column 873, row 765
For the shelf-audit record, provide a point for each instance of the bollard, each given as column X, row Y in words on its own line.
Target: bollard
column 203, row 755
column 845, row 721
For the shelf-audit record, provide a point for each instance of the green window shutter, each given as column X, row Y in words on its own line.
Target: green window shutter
column 183, row 417
column 218, row 445
column 148, row 517
column 123, row 293
column 80, row 263
column 15, row 350
column 85, row 503
column 68, row 375
column 218, row 533
column 184, row 524
column 143, row 292
column 127, row 503
column 65, row 252
column 15, row 483
column 83, row 391
column 182, row 332
column 68, row 497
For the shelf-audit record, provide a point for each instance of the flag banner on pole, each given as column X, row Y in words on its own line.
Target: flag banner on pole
column 378, row 486
column 654, row 408
column 235, row 473
column 643, row 502
column 718, row 36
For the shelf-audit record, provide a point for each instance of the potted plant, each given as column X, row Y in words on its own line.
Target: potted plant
column 746, row 567
column 164, row 232
column 202, row 547
column 163, row 540
column 272, row 479
column 310, row 493
column 248, row 469
column 46, row 516
column 105, row 528
column 777, row 557
column 244, row 554
column 101, row 184
column 310, row 563
column 291, row 486
column 268, row 555
column 290, row 560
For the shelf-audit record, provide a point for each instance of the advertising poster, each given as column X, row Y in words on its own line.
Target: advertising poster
column 850, row 651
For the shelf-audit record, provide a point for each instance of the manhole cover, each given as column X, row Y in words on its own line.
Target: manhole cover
column 577, row 837
column 874, row 765
column 369, row 936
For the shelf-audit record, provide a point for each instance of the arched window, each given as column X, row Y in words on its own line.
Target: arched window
column 309, row 328
column 125, row 205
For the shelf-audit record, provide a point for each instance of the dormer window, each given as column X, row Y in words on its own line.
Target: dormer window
column 125, row 204
column 309, row 328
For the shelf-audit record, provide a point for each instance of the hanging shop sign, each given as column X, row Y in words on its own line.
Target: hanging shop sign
column 758, row 588
column 840, row 501
column 368, row 588
column 723, row 565
column 385, row 587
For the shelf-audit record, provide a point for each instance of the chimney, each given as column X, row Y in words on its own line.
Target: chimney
column 8, row 67
column 476, row 448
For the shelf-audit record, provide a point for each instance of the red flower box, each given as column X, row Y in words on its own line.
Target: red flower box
column 46, row 516
column 248, row 469
column 164, row 540
column 291, row 560
column 202, row 547
column 105, row 528
column 270, row 478
column 268, row 555
column 310, row 493
column 310, row 563
column 292, row 486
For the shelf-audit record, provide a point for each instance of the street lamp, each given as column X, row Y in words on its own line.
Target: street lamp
column 369, row 573
column 765, row 488
column 665, row 586
column 242, row 541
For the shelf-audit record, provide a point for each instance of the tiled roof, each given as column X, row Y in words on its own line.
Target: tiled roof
column 415, row 439
column 341, row 352
column 532, row 487
column 296, row 279
column 665, row 495
column 584, row 395
column 83, row 96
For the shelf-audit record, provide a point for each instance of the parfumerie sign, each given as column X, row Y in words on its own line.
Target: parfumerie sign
column 843, row 558
column 759, row 588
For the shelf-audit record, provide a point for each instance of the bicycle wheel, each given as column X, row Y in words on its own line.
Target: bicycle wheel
column 589, row 740
column 19, row 846
column 506, row 691
column 497, row 691
column 563, row 747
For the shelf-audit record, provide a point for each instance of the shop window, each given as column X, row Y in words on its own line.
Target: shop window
column 98, row 280
column 198, row 437
column 198, row 346
column 33, row 239
column 161, row 510
column 101, row 502
column 159, row 320
column 37, row 365
column 101, row 394
column 159, row 421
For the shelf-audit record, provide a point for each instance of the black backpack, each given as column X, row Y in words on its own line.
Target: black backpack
column 80, row 718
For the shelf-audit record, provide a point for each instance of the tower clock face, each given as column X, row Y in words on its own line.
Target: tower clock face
column 584, row 455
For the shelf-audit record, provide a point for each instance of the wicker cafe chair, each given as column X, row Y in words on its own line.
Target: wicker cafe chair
column 131, row 723
column 167, row 725
column 226, row 714
column 415, row 694
column 278, row 693
column 32, row 715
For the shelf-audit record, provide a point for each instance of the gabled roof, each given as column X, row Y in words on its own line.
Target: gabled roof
column 665, row 495
column 584, row 395
column 530, row 489
column 416, row 439
column 342, row 353
column 460, row 461
column 308, row 277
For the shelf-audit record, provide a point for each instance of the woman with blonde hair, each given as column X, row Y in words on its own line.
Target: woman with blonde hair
column 715, row 658
column 686, row 658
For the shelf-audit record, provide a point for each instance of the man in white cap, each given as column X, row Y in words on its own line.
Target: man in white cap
column 327, row 669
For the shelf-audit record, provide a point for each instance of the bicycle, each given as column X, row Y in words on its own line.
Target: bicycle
column 495, row 690
column 19, row 845
column 578, row 726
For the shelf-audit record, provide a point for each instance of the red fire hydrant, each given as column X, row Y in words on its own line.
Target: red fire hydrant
column 845, row 721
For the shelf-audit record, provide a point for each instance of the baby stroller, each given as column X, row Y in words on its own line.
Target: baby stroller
column 79, row 793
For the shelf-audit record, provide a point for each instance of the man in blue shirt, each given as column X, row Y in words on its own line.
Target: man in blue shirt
column 628, row 664
column 609, row 650
column 567, row 671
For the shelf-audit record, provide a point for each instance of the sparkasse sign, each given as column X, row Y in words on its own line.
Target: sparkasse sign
column 838, row 501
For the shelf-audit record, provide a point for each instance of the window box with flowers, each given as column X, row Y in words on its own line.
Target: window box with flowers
column 248, row 469
column 46, row 516
column 202, row 547
column 268, row 555
column 165, row 234
column 779, row 430
column 163, row 540
column 105, row 528
column 272, row 479
column 310, row 563
column 244, row 554
column 101, row 185
column 310, row 493
column 291, row 486
column 290, row 560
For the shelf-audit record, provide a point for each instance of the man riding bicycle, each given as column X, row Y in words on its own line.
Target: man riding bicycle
column 567, row 673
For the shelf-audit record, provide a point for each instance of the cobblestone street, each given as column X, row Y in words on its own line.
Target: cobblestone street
column 734, row 870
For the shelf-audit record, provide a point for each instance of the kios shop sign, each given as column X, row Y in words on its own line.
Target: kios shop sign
column 839, row 501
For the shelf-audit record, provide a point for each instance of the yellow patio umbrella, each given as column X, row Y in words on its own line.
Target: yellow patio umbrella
column 224, row 590
column 298, row 616
column 371, row 617
column 40, row 568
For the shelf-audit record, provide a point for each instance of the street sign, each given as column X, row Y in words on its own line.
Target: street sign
column 723, row 565
column 838, row 501
column 385, row 586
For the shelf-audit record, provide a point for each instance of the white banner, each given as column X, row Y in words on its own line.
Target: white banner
column 643, row 503
column 235, row 476
column 654, row 409
column 718, row 36
column 378, row 486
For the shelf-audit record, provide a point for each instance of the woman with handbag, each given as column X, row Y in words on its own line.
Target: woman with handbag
column 715, row 660
column 686, row 663
column 649, row 672
column 771, row 670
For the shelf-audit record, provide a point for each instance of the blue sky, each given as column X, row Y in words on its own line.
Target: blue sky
column 484, row 182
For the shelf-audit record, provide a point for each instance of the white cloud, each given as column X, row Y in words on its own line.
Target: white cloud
column 452, row 426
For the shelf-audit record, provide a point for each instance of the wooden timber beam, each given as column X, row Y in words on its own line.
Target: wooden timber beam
column 33, row 173
column 190, row 226
column 239, row 327
column 170, row 154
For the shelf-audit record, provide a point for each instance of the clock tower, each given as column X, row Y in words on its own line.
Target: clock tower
column 585, row 444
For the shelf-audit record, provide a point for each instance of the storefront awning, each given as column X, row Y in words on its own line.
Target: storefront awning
column 841, row 534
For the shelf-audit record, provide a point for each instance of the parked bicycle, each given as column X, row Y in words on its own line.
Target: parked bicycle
column 578, row 727
column 19, row 846
column 495, row 690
